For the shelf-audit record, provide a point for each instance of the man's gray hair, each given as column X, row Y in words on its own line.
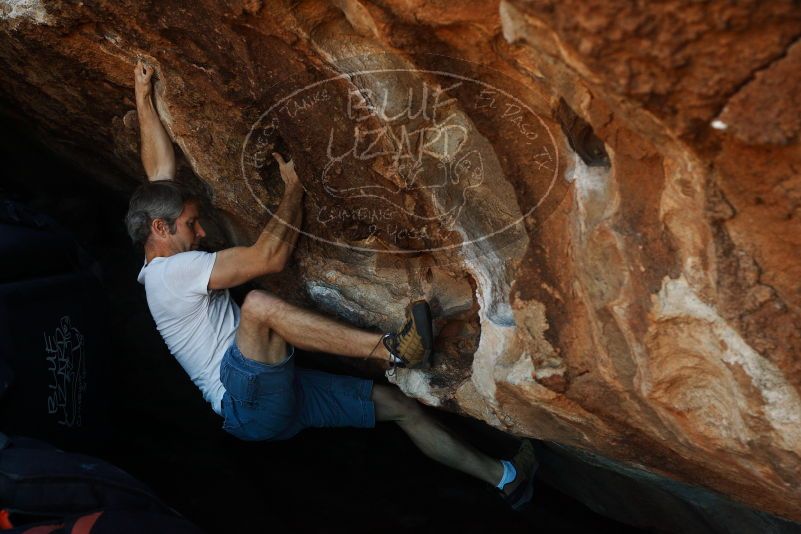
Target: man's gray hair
column 163, row 199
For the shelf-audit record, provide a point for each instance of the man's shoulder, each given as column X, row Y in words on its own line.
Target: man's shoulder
column 190, row 255
column 181, row 259
column 186, row 273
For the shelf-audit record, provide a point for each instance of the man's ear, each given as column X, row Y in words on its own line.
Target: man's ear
column 159, row 228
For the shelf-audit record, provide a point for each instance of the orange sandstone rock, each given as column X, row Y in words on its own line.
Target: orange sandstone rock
column 600, row 198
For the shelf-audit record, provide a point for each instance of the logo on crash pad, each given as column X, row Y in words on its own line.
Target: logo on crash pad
column 405, row 160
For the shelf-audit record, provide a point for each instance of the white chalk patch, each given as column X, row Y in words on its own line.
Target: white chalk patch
column 570, row 169
column 24, row 9
column 782, row 404
column 513, row 23
column 522, row 371
column 113, row 38
column 719, row 124
column 415, row 383
column 547, row 372
column 590, row 181
column 332, row 300
column 595, row 193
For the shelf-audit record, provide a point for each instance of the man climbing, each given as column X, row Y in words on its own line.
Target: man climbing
column 242, row 358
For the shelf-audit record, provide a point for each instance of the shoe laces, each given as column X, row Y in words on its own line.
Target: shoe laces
column 408, row 344
column 395, row 360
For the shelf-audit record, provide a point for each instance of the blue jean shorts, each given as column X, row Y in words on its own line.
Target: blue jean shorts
column 264, row 402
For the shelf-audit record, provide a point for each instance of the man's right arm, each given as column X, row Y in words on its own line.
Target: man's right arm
column 158, row 156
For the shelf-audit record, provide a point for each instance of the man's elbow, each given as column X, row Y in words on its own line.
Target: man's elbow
column 273, row 255
column 275, row 263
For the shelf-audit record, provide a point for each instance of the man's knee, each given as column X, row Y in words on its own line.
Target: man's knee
column 392, row 405
column 260, row 307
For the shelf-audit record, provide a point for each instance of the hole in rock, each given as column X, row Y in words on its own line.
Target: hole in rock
column 581, row 136
column 270, row 173
column 456, row 324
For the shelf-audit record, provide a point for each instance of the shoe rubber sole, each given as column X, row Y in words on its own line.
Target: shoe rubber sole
column 421, row 313
column 520, row 499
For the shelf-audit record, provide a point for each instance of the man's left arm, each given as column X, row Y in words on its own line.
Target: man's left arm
column 271, row 251
column 277, row 240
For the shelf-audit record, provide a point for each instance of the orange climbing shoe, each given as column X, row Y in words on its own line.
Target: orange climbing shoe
column 413, row 344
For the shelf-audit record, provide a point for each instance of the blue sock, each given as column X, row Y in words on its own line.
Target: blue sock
column 509, row 474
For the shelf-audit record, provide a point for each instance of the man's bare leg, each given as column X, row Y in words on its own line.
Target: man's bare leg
column 267, row 322
column 434, row 439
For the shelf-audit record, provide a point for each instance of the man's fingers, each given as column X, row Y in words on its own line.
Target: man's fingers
column 279, row 158
column 143, row 71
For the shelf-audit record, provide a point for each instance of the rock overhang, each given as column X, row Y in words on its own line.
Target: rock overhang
column 645, row 308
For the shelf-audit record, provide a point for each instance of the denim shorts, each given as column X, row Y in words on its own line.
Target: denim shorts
column 264, row 402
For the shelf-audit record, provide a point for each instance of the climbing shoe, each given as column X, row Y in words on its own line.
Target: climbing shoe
column 526, row 464
column 413, row 344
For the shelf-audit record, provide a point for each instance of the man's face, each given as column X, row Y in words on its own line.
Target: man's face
column 188, row 231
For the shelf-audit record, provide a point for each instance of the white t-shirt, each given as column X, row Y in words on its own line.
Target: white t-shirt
column 197, row 324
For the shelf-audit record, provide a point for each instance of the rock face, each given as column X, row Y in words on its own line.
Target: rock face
column 601, row 199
